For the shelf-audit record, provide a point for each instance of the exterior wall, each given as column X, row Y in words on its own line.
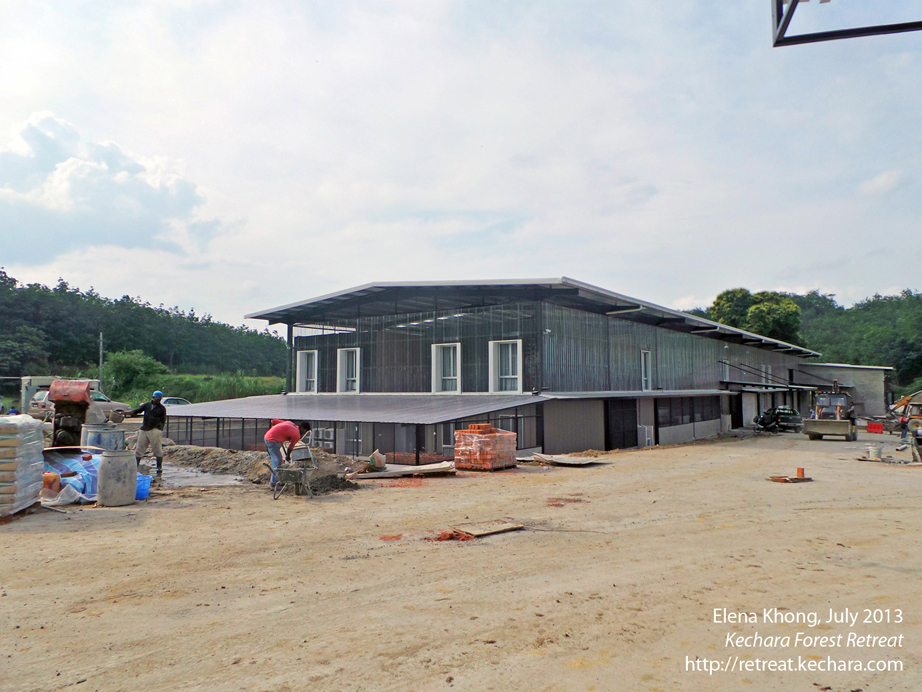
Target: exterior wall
column 396, row 351
column 750, row 408
column 563, row 349
column 866, row 386
column 678, row 434
column 587, row 352
column 574, row 425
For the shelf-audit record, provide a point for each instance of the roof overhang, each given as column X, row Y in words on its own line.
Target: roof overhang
column 344, row 308
column 408, row 409
column 405, row 409
column 645, row 394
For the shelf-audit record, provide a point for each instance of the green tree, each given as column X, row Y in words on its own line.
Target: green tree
column 19, row 348
column 776, row 319
column 127, row 370
column 732, row 307
column 767, row 313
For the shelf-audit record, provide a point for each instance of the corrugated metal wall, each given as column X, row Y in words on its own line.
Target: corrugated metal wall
column 564, row 350
column 574, row 425
column 589, row 352
column 396, row 351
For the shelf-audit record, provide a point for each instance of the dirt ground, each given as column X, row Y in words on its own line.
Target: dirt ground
column 612, row 585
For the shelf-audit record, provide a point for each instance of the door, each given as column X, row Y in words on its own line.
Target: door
column 622, row 424
column 736, row 411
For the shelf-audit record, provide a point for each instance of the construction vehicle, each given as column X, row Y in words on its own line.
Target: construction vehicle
column 832, row 414
column 911, row 407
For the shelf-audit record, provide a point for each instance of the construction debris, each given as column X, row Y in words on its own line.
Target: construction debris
column 566, row 459
column 487, row 528
column 398, row 470
column 451, row 536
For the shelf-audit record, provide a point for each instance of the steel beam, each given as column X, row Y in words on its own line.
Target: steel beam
column 781, row 21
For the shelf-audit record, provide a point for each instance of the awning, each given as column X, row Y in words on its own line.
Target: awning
column 408, row 409
column 645, row 394
column 769, row 390
column 421, row 409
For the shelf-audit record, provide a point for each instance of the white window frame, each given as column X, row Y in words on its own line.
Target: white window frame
column 494, row 367
column 302, row 375
column 726, row 370
column 341, row 370
column 437, row 361
column 646, row 371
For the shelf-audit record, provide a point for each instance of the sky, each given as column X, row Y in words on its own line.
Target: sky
column 230, row 156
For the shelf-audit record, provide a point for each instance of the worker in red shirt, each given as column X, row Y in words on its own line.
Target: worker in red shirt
column 283, row 431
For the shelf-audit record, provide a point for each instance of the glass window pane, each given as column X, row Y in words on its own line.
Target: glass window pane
column 507, row 356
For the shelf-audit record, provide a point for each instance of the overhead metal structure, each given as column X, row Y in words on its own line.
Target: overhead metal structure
column 343, row 308
column 781, row 21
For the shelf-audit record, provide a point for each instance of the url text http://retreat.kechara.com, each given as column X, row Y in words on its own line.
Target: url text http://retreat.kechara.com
column 834, row 640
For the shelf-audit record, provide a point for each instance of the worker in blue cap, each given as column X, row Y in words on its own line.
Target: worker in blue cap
column 151, row 429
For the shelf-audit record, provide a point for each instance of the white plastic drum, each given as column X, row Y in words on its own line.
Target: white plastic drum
column 118, row 478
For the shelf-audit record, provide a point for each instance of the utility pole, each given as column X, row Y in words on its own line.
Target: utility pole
column 100, row 362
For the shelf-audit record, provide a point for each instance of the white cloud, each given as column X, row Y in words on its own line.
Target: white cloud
column 881, row 184
column 58, row 193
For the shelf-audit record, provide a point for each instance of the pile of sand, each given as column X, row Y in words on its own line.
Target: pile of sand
column 251, row 465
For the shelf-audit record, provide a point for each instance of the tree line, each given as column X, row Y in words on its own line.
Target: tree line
column 44, row 328
column 881, row 330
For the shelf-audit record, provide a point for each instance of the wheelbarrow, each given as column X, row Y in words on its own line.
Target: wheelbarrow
column 296, row 475
column 297, row 472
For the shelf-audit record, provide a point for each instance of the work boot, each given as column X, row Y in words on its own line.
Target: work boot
column 159, row 466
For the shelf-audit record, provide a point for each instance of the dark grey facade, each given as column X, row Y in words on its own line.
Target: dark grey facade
column 563, row 350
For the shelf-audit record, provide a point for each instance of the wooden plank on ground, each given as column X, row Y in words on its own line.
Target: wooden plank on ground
column 565, row 460
column 487, row 528
column 398, row 470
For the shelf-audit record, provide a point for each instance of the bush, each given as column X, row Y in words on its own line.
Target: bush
column 127, row 371
column 199, row 388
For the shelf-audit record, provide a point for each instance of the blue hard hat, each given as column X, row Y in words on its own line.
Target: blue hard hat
column 158, row 394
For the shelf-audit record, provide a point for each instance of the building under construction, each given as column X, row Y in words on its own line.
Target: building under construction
column 567, row 366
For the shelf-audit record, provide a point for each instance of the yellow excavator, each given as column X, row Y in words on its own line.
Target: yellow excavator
column 911, row 407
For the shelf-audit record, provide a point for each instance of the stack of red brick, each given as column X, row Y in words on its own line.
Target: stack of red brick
column 484, row 448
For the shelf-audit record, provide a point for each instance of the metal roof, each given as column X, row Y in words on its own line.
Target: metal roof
column 343, row 308
column 422, row 409
column 409, row 409
column 645, row 394
column 850, row 367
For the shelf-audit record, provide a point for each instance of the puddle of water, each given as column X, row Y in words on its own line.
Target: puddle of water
column 184, row 477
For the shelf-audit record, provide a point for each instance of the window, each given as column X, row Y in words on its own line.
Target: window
column 685, row 410
column 766, row 371
column 726, row 371
column 348, row 370
column 514, row 424
column 446, row 368
column 506, row 366
column 646, row 371
column 307, row 372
